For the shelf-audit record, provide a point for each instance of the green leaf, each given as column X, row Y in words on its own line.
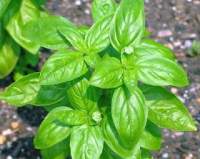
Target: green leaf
column 151, row 137
column 47, row 31
column 22, row 12
column 58, row 151
column 97, row 38
column 101, row 8
column 166, row 110
column 22, row 91
column 129, row 114
column 161, row 72
column 82, row 96
column 92, row 60
column 75, row 37
column 151, row 48
column 146, row 154
column 86, row 142
column 52, row 131
column 3, row 6
column 129, row 25
column 63, row 66
column 2, row 35
column 9, row 53
column 108, row 73
column 108, row 154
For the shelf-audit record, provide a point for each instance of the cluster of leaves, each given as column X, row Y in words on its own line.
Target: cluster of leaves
column 14, row 14
column 105, row 94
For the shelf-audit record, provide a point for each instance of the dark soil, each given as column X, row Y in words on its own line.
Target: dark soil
column 174, row 23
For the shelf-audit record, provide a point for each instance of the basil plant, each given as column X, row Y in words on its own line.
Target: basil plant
column 105, row 92
column 14, row 46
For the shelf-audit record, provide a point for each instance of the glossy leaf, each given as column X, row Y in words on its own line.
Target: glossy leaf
column 86, row 142
column 82, row 96
column 151, row 137
column 108, row 74
column 52, row 130
column 22, row 91
column 9, row 52
column 151, row 48
column 62, row 67
column 166, row 110
column 129, row 114
column 101, row 8
column 58, row 151
column 22, row 12
column 47, row 31
column 97, row 38
column 3, row 6
column 161, row 71
column 128, row 25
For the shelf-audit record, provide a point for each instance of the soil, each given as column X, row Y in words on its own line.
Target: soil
column 174, row 23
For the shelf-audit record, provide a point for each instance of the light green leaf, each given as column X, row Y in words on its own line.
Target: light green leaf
column 166, row 110
column 108, row 73
column 86, row 142
column 52, row 131
column 97, row 38
column 92, row 60
column 101, row 8
column 128, row 25
column 22, row 91
column 161, row 71
column 129, row 114
column 63, row 66
column 151, row 48
column 151, row 137
column 47, row 31
column 9, row 53
column 3, row 6
column 58, row 151
column 22, row 12
column 82, row 96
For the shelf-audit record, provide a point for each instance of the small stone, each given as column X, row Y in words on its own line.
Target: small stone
column 189, row 156
column 15, row 125
column 2, row 139
column 198, row 100
column 9, row 157
column 165, row 155
column 7, row 132
column 164, row 33
column 174, row 90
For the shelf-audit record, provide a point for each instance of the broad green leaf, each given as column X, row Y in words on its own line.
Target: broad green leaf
column 129, row 114
column 47, row 31
column 151, row 137
column 22, row 91
column 75, row 37
column 9, row 52
column 166, row 110
column 82, row 96
column 92, row 60
column 86, row 142
column 23, row 11
column 39, row 2
column 83, row 29
column 108, row 73
column 58, row 151
column 97, row 38
column 62, row 67
column 108, row 154
column 52, row 131
column 128, row 26
column 160, row 71
column 3, row 6
column 151, row 48
column 101, row 8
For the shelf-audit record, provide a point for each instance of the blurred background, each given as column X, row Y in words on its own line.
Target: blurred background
column 176, row 24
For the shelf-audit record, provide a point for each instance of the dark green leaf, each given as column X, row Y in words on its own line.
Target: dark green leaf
column 129, row 26
column 86, row 142
column 108, row 74
column 52, row 131
column 63, row 66
column 129, row 114
column 101, row 8
column 47, row 31
column 166, row 110
column 146, row 154
column 58, row 151
column 108, row 154
column 97, row 38
column 151, row 48
column 22, row 91
column 161, row 71
column 3, row 6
